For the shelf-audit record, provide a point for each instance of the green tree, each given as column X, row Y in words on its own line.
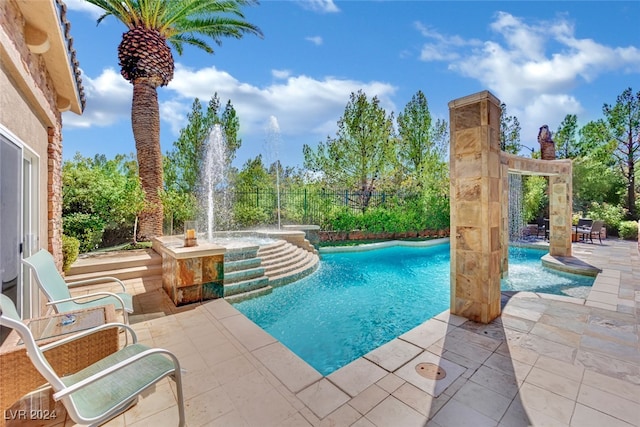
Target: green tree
column 147, row 63
column 566, row 137
column 358, row 157
column 421, row 144
column 183, row 165
column 623, row 122
column 509, row 131
column 98, row 195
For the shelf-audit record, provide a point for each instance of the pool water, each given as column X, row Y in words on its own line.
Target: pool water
column 357, row 301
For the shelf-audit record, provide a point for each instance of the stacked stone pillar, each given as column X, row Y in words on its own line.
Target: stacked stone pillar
column 476, row 207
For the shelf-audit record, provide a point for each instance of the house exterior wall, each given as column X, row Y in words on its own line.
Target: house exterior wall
column 28, row 109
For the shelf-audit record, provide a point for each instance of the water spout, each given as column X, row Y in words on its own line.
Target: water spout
column 215, row 182
column 273, row 146
column 516, row 208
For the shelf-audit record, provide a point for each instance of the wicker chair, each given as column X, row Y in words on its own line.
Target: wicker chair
column 57, row 292
column 105, row 389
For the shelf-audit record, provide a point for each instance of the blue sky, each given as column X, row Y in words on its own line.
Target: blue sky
column 543, row 59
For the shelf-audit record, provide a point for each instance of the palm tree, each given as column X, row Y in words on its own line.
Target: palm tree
column 146, row 62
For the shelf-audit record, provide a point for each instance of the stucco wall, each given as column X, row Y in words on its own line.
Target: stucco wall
column 28, row 110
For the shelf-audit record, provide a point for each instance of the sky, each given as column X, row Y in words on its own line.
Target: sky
column 544, row 60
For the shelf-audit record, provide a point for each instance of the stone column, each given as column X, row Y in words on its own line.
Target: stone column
column 560, row 210
column 476, row 208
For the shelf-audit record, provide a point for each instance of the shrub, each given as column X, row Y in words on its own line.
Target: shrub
column 87, row 228
column 612, row 215
column 250, row 216
column 70, row 251
column 628, row 230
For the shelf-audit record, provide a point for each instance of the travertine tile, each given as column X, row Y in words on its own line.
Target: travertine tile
column 343, row 416
column 455, row 413
column 419, row 400
column 483, row 400
column 208, row 406
column 259, row 401
column 553, row 383
column 393, row 354
column 432, row 386
column 621, row 388
column 427, row 333
column 247, row 332
column 370, row 397
column 498, row 381
column 290, row 369
column 390, row 383
column 613, row 405
column 584, row 416
column 357, row 376
column 509, row 366
column 546, row 402
column 391, row 412
column 323, row 397
column 568, row 370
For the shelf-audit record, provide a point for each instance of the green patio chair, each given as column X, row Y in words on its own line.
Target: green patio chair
column 57, row 291
column 101, row 391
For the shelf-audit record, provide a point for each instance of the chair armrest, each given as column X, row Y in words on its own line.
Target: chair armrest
column 110, row 370
column 82, row 334
column 97, row 280
column 103, row 293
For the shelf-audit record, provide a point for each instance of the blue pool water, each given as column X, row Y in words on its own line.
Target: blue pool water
column 357, row 301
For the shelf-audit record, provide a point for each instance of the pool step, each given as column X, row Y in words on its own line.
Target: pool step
column 241, row 264
column 242, row 275
column 289, row 262
column 244, row 286
column 249, row 295
column 123, row 265
column 275, row 264
column 286, row 253
column 284, row 278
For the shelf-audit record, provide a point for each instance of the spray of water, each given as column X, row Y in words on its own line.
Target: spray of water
column 215, row 184
column 272, row 145
column 516, row 208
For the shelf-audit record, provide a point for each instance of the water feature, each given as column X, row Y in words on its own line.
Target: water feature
column 516, row 208
column 357, row 301
column 215, row 197
column 272, row 147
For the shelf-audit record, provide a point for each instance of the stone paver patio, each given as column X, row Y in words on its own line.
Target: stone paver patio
column 547, row 361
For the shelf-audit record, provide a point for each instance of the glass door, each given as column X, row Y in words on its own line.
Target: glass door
column 10, row 219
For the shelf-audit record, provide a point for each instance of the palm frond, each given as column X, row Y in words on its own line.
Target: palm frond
column 178, row 40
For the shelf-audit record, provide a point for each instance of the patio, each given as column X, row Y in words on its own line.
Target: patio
column 547, row 360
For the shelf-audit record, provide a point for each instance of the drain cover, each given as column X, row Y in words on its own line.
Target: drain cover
column 431, row 371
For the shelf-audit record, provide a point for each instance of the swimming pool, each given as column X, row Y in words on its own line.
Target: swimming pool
column 357, row 301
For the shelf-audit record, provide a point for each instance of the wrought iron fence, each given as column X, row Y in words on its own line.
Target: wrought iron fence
column 306, row 205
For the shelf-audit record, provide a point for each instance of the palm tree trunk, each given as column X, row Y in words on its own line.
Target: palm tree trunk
column 145, row 120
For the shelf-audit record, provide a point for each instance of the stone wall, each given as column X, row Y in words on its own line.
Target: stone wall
column 340, row 236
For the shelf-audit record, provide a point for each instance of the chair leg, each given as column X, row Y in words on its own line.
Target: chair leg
column 177, row 378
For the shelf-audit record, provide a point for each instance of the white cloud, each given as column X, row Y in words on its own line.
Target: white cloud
column 108, row 101
column 443, row 48
column 302, row 105
column 322, row 6
column 531, row 66
column 317, row 40
column 280, row 74
column 544, row 110
column 84, row 6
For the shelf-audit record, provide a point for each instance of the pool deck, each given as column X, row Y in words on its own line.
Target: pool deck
column 548, row 360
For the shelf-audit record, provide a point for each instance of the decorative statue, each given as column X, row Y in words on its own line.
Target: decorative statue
column 547, row 146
